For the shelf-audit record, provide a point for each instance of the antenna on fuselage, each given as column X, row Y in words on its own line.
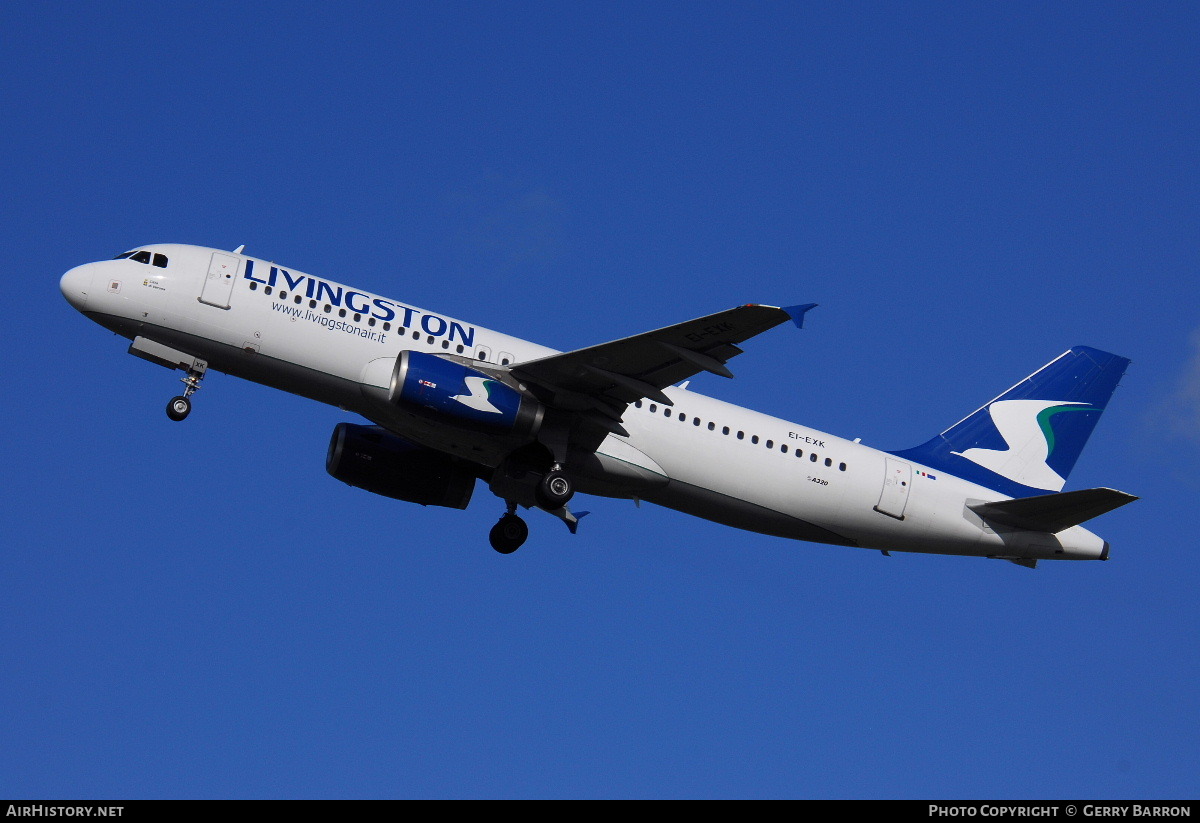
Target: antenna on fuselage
column 238, row 250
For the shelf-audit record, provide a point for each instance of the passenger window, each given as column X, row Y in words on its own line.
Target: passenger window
column 695, row 421
column 282, row 295
column 253, row 286
column 813, row 457
column 770, row 444
column 741, row 435
column 637, row 403
column 459, row 348
column 387, row 326
column 140, row 257
column 712, row 427
column 445, row 344
column 783, row 447
column 160, row 260
column 370, row 321
column 828, row 461
column 799, row 453
column 841, row 467
column 267, row 290
column 653, row 408
column 724, row 430
column 296, row 300
column 754, row 439
column 328, row 308
column 312, row 304
column 341, row 312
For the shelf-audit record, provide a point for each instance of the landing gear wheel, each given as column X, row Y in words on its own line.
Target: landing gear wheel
column 555, row 490
column 508, row 535
column 179, row 408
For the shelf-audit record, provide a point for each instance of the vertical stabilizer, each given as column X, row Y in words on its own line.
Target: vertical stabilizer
column 1026, row 441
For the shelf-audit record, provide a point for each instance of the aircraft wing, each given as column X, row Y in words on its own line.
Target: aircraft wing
column 611, row 375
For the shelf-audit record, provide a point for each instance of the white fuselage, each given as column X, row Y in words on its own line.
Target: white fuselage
column 709, row 458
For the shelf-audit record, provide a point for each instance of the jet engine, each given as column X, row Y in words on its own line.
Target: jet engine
column 453, row 392
column 371, row 458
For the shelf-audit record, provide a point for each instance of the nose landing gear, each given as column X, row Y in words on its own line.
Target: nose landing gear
column 181, row 406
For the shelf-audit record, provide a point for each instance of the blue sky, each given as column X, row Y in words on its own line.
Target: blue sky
column 198, row 610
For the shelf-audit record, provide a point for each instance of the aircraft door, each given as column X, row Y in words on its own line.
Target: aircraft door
column 218, row 285
column 897, row 480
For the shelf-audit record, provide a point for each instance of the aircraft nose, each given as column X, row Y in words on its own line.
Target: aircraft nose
column 76, row 283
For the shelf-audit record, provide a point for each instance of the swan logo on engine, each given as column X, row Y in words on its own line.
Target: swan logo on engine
column 480, row 395
column 453, row 391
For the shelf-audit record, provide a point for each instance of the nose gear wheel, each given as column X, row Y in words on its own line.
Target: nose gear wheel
column 181, row 406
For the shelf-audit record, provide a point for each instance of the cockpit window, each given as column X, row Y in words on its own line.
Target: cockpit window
column 143, row 256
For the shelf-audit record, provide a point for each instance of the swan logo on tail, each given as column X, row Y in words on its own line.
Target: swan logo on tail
column 1025, row 427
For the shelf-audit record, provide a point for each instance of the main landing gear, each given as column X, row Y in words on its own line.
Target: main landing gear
column 181, row 406
column 510, row 533
column 555, row 490
column 531, row 478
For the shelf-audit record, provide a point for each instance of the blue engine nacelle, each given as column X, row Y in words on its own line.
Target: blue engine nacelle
column 459, row 394
column 372, row 458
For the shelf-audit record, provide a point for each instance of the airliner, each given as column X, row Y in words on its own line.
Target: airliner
column 447, row 404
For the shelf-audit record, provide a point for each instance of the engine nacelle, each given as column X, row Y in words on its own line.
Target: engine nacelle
column 461, row 395
column 372, row 458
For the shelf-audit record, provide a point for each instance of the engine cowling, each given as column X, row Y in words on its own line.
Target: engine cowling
column 371, row 458
column 467, row 397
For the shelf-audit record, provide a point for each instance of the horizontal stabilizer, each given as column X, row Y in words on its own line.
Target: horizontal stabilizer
column 1053, row 512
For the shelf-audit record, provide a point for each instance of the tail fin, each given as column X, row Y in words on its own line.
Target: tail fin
column 1026, row 441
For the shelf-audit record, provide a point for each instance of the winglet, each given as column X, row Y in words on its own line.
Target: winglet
column 797, row 313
